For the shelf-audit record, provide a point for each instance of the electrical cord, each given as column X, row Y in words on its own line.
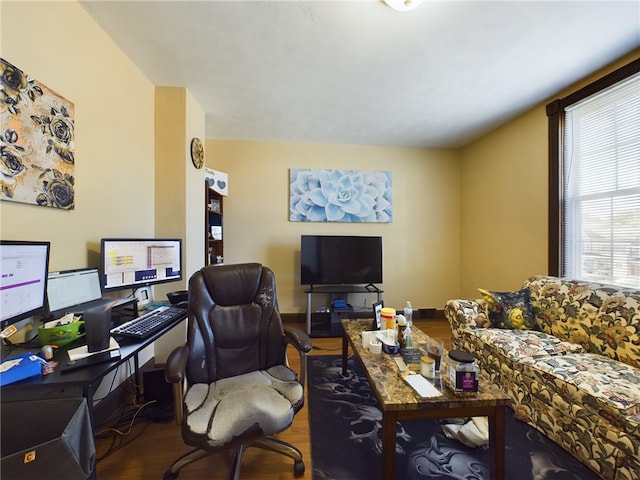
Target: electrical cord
column 9, row 346
column 130, row 424
column 121, row 437
column 26, row 344
column 123, row 430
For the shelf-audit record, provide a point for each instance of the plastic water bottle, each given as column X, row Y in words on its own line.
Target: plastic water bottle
column 408, row 313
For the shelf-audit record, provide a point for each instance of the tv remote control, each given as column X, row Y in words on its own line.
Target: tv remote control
column 90, row 360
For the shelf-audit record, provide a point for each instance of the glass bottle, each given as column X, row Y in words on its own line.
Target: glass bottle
column 408, row 337
column 408, row 313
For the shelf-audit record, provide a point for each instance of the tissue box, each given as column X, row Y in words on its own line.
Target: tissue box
column 367, row 337
column 20, row 367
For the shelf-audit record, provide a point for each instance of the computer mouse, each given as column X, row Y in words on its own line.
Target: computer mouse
column 47, row 352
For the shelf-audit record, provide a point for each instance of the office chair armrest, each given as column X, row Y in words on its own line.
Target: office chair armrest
column 176, row 365
column 302, row 343
column 299, row 339
column 174, row 373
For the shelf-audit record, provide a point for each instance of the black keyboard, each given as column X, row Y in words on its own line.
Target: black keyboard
column 146, row 325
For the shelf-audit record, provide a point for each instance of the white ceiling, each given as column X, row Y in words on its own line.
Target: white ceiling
column 358, row 72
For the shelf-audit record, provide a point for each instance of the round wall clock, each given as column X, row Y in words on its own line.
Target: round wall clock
column 197, row 153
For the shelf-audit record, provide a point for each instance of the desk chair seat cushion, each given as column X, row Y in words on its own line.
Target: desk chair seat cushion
column 252, row 404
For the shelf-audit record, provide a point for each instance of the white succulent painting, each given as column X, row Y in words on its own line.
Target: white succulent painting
column 340, row 196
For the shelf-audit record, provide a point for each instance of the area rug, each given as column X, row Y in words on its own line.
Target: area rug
column 345, row 429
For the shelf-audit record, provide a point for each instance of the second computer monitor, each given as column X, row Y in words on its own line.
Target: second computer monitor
column 134, row 263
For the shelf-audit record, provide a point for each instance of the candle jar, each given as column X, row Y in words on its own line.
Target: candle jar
column 463, row 371
column 427, row 366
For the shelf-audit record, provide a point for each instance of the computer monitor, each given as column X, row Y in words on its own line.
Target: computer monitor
column 139, row 262
column 69, row 288
column 24, row 266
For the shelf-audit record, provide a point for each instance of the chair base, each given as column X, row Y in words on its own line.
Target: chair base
column 266, row 443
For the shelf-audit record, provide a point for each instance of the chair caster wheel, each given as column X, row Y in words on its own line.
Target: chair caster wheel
column 298, row 468
column 169, row 475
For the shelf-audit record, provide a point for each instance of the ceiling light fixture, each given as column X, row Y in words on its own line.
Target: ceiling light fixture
column 403, row 5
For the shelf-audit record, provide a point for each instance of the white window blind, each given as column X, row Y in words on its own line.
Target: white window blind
column 601, row 186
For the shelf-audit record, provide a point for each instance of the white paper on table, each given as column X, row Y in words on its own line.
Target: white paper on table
column 82, row 352
column 421, row 385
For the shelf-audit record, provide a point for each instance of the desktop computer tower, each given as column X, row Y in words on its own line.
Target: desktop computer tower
column 155, row 387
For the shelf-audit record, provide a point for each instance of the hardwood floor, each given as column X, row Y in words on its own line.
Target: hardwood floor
column 154, row 446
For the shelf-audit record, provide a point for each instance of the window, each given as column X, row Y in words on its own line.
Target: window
column 594, row 181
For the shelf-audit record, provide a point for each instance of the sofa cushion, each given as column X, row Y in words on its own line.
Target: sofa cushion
column 525, row 344
column 604, row 319
column 564, row 308
column 615, row 332
column 589, row 379
column 510, row 310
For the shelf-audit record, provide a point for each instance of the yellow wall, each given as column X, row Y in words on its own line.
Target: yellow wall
column 504, row 200
column 179, row 192
column 496, row 188
column 58, row 44
column 504, row 206
column 180, row 187
column 421, row 247
column 462, row 219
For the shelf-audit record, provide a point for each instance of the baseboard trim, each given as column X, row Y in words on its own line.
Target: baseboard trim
column 422, row 314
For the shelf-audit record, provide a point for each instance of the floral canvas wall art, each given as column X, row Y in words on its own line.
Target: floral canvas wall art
column 340, row 196
column 37, row 163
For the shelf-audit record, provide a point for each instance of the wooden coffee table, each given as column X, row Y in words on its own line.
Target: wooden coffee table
column 398, row 401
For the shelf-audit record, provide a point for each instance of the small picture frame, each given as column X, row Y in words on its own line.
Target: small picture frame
column 214, row 205
column 377, row 318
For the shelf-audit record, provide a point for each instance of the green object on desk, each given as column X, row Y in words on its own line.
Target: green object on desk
column 60, row 335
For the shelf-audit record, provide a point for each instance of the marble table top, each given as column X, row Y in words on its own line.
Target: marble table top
column 394, row 394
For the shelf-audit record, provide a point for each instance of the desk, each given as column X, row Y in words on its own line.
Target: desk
column 398, row 401
column 83, row 382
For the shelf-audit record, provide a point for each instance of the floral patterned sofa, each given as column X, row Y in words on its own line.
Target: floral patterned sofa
column 575, row 374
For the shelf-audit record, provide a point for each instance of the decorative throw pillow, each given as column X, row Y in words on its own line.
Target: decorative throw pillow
column 510, row 310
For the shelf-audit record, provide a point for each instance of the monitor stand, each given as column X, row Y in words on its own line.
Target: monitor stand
column 144, row 297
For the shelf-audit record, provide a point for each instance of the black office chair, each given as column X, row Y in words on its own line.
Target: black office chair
column 232, row 386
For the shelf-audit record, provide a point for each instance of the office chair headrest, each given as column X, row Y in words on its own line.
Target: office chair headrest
column 233, row 284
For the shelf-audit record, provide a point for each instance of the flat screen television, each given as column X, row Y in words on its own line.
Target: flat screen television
column 24, row 267
column 139, row 262
column 340, row 260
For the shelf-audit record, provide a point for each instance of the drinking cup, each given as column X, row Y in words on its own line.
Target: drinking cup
column 434, row 350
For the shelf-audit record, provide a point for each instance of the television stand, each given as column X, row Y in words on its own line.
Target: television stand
column 335, row 315
column 370, row 287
